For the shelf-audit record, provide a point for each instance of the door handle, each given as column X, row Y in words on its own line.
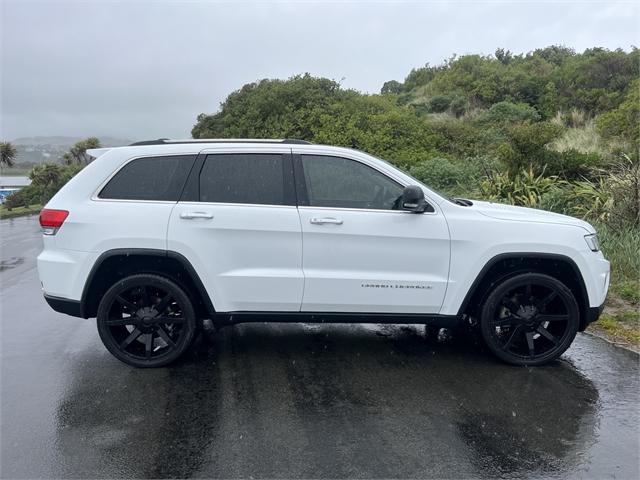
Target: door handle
column 192, row 215
column 322, row 221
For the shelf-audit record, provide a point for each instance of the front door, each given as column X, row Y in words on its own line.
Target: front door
column 361, row 253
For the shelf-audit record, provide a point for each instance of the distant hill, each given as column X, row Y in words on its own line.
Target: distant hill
column 34, row 150
column 67, row 141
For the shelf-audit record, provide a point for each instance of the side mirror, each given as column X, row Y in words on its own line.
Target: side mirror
column 413, row 199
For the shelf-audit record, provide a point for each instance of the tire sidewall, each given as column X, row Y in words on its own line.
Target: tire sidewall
column 155, row 281
column 493, row 299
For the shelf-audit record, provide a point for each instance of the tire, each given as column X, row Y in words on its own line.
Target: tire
column 529, row 319
column 146, row 321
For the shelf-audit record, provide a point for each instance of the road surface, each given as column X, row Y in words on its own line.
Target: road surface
column 321, row 401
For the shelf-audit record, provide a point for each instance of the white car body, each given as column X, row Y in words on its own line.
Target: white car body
column 239, row 231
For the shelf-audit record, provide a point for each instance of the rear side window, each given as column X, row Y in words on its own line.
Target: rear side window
column 150, row 178
column 244, row 178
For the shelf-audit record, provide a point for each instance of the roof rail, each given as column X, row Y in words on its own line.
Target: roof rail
column 166, row 141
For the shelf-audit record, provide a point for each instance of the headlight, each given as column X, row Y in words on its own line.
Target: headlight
column 592, row 241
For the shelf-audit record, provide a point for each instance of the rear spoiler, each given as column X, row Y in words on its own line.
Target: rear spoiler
column 96, row 152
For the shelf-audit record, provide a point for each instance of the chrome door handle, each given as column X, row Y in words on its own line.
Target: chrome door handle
column 192, row 215
column 322, row 221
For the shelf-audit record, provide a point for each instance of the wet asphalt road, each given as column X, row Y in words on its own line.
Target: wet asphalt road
column 329, row 401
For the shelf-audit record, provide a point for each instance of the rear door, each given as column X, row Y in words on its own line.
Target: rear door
column 361, row 253
column 238, row 225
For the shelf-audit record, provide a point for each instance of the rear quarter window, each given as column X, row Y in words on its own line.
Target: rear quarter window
column 150, row 178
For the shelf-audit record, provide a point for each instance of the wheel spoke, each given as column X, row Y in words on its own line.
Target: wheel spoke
column 126, row 303
column 160, row 307
column 148, row 345
column 532, row 350
column 165, row 336
column 132, row 336
column 527, row 291
column 546, row 300
column 117, row 322
column 552, row 318
column 547, row 334
column 512, row 337
column 146, row 299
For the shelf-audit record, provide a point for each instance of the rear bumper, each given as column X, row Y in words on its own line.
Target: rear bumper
column 64, row 305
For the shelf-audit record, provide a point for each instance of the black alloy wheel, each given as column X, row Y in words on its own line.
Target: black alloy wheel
column 529, row 319
column 146, row 320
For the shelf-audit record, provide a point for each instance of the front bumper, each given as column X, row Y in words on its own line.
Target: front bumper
column 593, row 314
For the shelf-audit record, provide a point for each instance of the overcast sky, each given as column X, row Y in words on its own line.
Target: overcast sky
column 141, row 69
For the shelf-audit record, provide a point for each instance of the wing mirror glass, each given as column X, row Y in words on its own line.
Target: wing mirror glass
column 413, row 200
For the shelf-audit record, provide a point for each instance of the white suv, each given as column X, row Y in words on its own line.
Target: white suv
column 156, row 237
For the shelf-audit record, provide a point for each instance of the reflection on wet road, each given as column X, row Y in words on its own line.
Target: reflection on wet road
column 299, row 401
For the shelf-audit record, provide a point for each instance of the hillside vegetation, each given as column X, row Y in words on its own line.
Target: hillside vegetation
column 551, row 129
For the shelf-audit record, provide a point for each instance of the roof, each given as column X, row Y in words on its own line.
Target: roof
column 167, row 141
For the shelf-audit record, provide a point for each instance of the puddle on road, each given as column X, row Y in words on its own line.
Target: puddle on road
column 11, row 263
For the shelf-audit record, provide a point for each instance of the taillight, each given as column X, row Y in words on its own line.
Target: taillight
column 52, row 220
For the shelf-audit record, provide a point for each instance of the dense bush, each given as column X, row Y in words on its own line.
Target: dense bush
column 624, row 121
column 525, row 188
column 439, row 103
column 441, row 174
column 571, row 164
column 505, row 113
column 527, row 144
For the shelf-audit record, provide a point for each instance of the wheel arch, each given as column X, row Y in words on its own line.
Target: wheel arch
column 505, row 265
column 116, row 264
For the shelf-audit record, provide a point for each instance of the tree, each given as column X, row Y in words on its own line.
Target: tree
column 7, row 154
column 392, row 86
column 77, row 154
column 623, row 122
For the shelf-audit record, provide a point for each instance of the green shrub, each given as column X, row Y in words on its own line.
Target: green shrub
column 439, row 104
column 526, row 146
column 621, row 246
column 506, row 113
column 571, row 164
column 526, row 188
column 623, row 122
column 459, row 105
column 441, row 174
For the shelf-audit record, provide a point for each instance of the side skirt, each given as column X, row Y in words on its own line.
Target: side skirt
column 232, row 318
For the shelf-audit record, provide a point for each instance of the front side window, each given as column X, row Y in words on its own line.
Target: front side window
column 150, row 178
column 243, row 178
column 343, row 183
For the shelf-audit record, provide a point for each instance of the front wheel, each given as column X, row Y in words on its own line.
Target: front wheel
column 146, row 321
column 529, row 319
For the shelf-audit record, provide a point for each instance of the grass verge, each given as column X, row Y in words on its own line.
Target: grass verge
column 19, row 211
column 620, row 321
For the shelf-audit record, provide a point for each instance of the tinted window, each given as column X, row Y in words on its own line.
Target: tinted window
column 340, row 182
column 243, row 178
column 150, row 178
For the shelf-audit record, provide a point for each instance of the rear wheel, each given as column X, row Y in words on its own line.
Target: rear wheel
column 146, row 321
column 529, row 319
